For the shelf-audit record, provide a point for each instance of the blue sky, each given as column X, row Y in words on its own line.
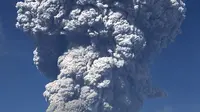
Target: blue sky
column 176, row 69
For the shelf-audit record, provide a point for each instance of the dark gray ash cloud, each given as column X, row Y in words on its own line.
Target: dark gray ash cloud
column 96, row 52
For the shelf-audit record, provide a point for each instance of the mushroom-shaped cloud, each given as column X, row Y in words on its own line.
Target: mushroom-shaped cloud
column 97, row 51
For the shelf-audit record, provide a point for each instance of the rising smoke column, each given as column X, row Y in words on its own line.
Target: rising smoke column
column 96, row 52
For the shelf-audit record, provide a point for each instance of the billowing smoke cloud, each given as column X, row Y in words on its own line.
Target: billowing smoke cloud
column 96, row 52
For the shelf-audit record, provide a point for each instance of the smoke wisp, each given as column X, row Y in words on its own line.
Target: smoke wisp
column 96, row 52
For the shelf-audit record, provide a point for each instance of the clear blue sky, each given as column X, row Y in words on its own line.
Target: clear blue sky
column 176, row 69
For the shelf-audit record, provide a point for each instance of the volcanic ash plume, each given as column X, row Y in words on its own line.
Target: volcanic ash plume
column 96, row 52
